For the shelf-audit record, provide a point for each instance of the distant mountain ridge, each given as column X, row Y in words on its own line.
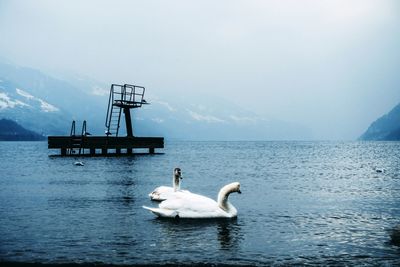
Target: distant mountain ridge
column 12, row 131
column 48, row 105
column 386, row 127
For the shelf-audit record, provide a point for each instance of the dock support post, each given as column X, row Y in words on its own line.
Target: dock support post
column 151, row 150
column 63, row 151
column 92, row 151
column 104, row 151
column 118, row 151
column 129, row 151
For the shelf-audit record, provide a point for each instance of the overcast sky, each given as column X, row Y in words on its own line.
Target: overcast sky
column 333, row 66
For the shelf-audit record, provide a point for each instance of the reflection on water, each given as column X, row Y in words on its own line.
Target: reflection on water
column 317, row 203
column 395, row 235
column 229, row 235
column 224, row 232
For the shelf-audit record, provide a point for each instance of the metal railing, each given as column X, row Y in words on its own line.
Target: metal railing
column 72, row 129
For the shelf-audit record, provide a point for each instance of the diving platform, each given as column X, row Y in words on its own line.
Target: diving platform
column 122, row 99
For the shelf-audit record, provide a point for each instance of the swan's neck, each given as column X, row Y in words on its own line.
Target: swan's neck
column 175, row 182
column 223, row 197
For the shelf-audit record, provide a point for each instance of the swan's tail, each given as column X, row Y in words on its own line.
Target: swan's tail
column 162, row 212
column 148, row 208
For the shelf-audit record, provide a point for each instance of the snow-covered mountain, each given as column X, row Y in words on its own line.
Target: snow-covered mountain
column 48, row 105
column 45, row 104
column 30, row 111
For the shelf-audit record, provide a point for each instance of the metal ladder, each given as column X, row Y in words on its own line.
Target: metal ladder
column 77, row 140
column 113, row 117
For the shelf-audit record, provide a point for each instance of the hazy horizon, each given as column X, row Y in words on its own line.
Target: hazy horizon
column 331, row 66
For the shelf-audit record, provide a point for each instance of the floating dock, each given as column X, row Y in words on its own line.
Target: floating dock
column 122, row 99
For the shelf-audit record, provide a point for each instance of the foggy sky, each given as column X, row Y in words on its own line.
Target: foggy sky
column 332, row 66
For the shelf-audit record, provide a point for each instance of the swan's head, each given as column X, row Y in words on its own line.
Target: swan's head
column 178, row 173
column 236, row 187
column 231, row 188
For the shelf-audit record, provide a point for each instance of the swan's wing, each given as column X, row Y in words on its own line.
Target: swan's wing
column 162, row 189
column 191, row 197
column 160, row 193
column 183, row 202
column 189, row 208
column 162, row 212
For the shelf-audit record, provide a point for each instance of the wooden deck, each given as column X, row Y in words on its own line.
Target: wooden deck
column 103, row 143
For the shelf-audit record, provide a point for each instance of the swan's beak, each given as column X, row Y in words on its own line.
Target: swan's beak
column 239, row 191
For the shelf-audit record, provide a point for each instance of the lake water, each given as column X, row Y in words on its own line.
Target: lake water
column 301, row 203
